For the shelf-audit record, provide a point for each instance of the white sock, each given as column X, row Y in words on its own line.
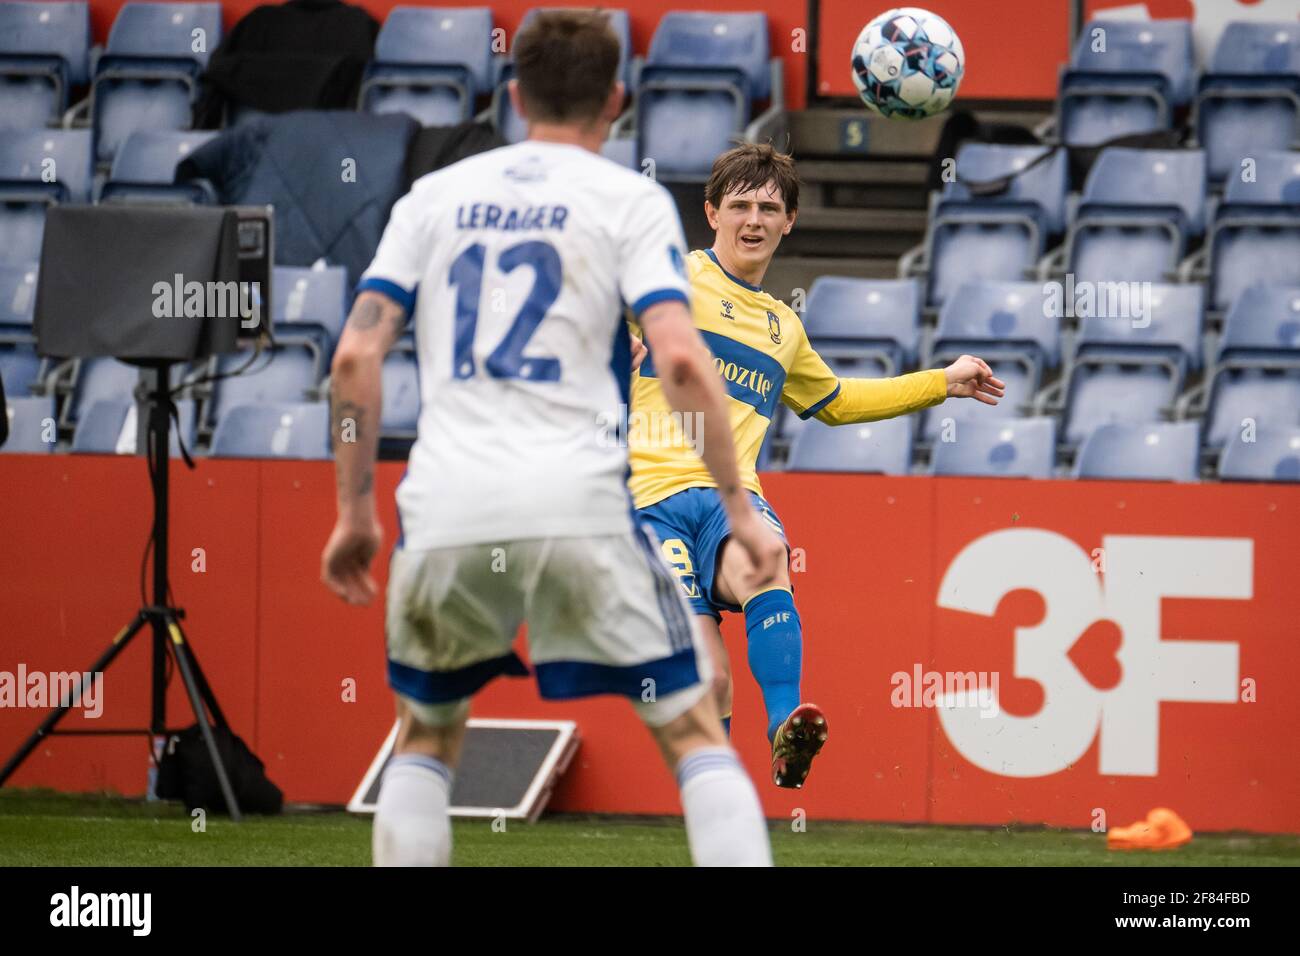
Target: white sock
column 411, row 823
column 724, row 822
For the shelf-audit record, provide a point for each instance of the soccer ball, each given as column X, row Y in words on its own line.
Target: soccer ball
column 907, row 63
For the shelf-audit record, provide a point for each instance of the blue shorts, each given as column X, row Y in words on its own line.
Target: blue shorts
column 691, row 527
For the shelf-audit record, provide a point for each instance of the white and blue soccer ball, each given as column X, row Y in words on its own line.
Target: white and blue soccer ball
column 908, row 63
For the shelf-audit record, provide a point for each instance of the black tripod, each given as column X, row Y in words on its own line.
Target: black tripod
column 164, row 620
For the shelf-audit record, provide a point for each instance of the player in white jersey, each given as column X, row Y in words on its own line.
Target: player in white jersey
column 517, row 265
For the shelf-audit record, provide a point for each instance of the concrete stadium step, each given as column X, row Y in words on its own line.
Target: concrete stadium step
column 820, row 231
column 790, row 272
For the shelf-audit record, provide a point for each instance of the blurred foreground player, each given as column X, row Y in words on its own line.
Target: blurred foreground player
column 513, row 509
column 762, row 354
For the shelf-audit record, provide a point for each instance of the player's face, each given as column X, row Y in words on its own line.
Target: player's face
column 750, row 225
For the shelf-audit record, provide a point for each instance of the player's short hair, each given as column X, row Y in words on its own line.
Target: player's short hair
column 752, row 166
column 566, row 62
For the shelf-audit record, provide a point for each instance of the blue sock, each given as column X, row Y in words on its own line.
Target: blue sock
column 775, row 652
column 726, row 726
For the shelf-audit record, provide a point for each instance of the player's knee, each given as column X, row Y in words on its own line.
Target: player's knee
column 720, row 688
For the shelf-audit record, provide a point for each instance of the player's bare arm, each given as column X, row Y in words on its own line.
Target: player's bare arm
column 373, row 326
column 691, row 384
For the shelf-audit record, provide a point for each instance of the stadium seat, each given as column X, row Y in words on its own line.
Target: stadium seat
column 1157, row 451
column 622, row 151
column 273, row 430
column 1139, row 210
column 431, row 63
column 20, row 367
column 1006, row 324
column 1274, row 455
column 17, row 300
column 144, row 169
column 1249, row 99
column 1017, row 448
column 26, row 158
column 1124, row 77
column 1255, row 384
column 702, row 77
column 884, row 447
column 1256, row 232
column 147, row 77
column 401, row 386
column 308, row 305
column 44, row 49
column 1128, row 369
column 31, row 425
column 510, row 125
column 109, row 426
column 288, row 374
column 875, row 320
column 98, row 379
column 999, row 236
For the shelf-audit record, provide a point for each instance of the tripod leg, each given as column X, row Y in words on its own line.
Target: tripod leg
column 205, row 689
column 182, row 654
column 22, row 753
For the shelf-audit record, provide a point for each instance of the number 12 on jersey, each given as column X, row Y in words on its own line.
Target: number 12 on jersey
column 507, row 359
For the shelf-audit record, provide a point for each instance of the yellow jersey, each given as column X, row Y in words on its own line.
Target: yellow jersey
column 763, row 356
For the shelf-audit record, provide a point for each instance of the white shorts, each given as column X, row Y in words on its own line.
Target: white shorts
column 605, row 616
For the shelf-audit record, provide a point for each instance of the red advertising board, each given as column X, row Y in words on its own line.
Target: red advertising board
column 987, row 651
column 1013, row 47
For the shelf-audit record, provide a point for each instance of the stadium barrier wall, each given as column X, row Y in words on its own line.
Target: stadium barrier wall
column 1139, row 641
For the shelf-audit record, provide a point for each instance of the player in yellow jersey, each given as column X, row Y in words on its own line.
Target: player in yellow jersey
column 763, row 355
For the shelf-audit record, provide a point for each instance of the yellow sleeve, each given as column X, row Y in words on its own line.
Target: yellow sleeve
column 871, row 399
column 809, row 384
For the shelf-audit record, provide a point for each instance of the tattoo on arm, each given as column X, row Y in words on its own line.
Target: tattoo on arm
column 366, row 314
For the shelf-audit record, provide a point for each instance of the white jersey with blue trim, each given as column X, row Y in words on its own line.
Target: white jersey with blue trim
column 517, row 265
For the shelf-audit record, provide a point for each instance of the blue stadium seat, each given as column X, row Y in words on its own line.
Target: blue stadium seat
column 432, row 63
column 20, row 367
column 109, row 426
column 702, row 77
column 1256, row 383
column 99, row 379
column 25, row 158
column 1274, row 455
column 622, row 151
column 1016, row 448
column 31, row 423
column 1249, row 99
column 43, row 53
column 877, row 320
column 998, row 236
column 308, row 305
column 1125, row 77
column 288, row 374
column 17, row 300
column 1006, row 324
column 273, row 430
column 1256, row 232
column 144, row 169
column 511, row 125
column 884, row 447
column 147, row 77
column 401, row 387
column 1129, row 370
column 1138, row 212
column 1157, row 451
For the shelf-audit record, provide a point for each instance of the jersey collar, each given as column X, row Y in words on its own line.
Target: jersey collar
column 736, row 279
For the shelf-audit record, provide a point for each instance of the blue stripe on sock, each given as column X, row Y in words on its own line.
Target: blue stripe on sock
column 705, row 760
column 421, row 760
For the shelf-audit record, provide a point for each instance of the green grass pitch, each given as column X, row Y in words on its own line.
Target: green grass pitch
column 42, row 828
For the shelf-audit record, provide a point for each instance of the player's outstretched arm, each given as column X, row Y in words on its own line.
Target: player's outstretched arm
column 691, row 385
column 373, row 326
column 871, row 399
